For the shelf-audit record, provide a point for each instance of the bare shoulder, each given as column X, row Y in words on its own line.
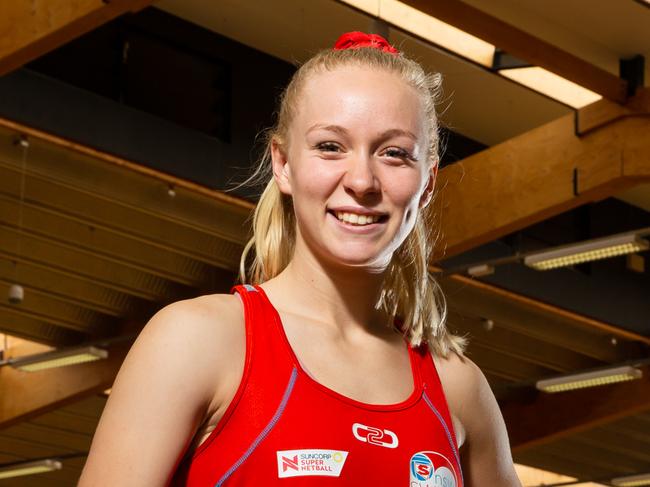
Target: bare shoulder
column 214, row 330
column 468, row 392
column 463, row 382
column 205, row 327
column 457, row 366
column 212, row 313
column 166, row 384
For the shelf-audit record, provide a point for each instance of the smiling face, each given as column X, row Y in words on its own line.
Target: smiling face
column 357, row 145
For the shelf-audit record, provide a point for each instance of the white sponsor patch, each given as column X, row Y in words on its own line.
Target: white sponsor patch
column 301, row 463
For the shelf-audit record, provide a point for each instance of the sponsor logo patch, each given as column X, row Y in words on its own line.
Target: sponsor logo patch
column 431, row 469
column 302, row 463
column 374, row 436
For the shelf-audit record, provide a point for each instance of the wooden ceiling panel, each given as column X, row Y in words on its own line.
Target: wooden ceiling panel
column 48, row 436
column 15, row 322
column 51, row 27
column 540, row 322
column 87, row 408
column 70, row 288
column 577, row 459
column 503, row 340
column 14, row 444
column 92, row 240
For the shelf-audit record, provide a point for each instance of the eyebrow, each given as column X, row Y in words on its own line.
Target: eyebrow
column 343, row 131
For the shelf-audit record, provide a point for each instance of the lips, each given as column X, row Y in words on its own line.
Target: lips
column 382, row 216
column 356, row 229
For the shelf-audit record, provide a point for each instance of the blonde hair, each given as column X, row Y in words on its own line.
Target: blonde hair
column 409, row 293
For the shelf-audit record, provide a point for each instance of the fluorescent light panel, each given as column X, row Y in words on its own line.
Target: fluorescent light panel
column 470, row 47
column 58, row 358
column 589, row 379
column 632, row 480
column 429, row 28
column 29, row 468
column 550, row 84
column 480, row 270
column 601, row 248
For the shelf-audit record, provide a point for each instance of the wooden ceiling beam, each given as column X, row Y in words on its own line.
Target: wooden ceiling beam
column 29, row 32
column 539, row 174
column 546, row 417
column 543, row 321
column 24, row 395
column 525, row 46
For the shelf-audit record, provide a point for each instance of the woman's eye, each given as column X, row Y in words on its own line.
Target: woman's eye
column 327, row 147
column 398, row 153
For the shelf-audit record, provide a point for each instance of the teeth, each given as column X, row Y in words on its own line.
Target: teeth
column 356, row 219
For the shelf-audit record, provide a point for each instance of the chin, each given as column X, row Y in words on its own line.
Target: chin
column 360, row 260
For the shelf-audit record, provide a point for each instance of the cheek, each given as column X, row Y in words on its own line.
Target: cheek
column 404, row 190
column 318, row 180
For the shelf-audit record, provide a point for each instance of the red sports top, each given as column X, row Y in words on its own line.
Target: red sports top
column 284, row 428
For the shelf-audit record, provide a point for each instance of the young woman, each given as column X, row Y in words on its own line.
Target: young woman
column 332, row 364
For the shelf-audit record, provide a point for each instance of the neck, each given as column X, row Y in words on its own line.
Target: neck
column 343, row 297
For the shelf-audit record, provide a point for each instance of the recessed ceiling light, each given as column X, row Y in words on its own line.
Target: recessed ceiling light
column 429, row 28
column 57, row 358
column 552, row 85
column 29, row 468
column 589, row 379
column 591, row 250
column 466, row 45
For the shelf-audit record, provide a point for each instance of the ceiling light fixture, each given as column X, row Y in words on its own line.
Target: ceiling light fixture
column 463, row 44
column 29, row 468
column 590, row 250
column 552, row 85
column 429, row 28
column 57, row 358
column 589, row 379
column 480, row 270
column 632, row 480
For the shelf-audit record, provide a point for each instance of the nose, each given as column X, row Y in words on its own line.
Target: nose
column 360, row 178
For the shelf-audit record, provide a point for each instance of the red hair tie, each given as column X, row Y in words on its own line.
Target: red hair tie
column 355, row 40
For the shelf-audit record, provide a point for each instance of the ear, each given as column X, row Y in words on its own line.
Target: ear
column 427, row 193
column 281, row 169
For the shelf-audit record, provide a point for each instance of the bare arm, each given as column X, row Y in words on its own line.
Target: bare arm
column 161, row 394
column 486, row 455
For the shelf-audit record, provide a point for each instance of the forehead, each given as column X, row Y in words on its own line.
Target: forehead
column 358, row 97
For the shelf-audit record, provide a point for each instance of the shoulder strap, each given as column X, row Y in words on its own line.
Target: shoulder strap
column 434, row 395
column 262, row 328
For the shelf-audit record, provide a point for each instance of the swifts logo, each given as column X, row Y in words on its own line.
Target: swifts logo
column 374, row 436
column 431, row 469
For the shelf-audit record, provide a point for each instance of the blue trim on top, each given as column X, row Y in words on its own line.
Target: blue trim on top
column 449, row 437
column 250, row 288
column 265, row 431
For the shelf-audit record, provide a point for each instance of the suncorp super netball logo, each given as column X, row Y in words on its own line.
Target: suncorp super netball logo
column 431, row 469
column 301, row 463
